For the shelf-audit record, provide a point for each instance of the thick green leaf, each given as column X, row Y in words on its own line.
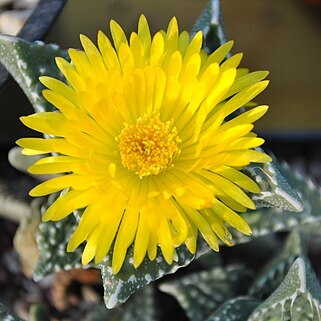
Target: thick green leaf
column 52, row 241
column 274, row 272
column 237, row 309
column 268, row 220
column 140, row 307
column 275, row 190
column 211, row 24
column 296, row 299
column 26, row 62
column 6, row 316
column 22, row 162
column 201, row 293
column 118, row 288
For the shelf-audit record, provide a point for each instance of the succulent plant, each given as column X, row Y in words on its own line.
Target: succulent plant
column 286, row 288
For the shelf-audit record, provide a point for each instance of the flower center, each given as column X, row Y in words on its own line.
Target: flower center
column 148, row 146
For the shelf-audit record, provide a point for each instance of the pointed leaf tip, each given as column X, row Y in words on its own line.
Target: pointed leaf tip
column 297, row 298
column 211, row 25
column 26, row 62
column 275, row 190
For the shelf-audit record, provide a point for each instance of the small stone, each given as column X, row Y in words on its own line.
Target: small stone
column 90, row 295
column 25, row 243
column 21, row 309
column 25, row 4
column 12, row 21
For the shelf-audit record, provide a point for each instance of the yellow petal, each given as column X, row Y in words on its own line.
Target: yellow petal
column 89, row 220
column 58, row 164
column 243, row 97
column 229, row 188
column 68, row 203
column 125, row 238
column 219, row 54
column 81, row 62
column 51, row 145
column 201, row 223
column 194, row 47
column 144, row 33
column 231, row 217
column 142, row 238
column 238, row 178
column 108, row 52
column 157, row 50
column 48, row 122
column 245, row 143
column 183, row 41
column 137, row 50
column 245, row 81
column 126, row 58
column 171, row 41
column 78, row 182
column 118, row 34
column 231, row 62
column 245, row 118
column 152, row 246
column 218, row 226
column 75, row 80
column 59, row 87
column 165, row 240
column 109, row 233
column 90, row 248
column 189, row 190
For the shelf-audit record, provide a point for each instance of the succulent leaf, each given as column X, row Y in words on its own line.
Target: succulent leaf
column 237, row 309
column 274, row 272
column 297, row 298
column 141, row 307
column 275, row 189
column 201, row 293
column 26, row 62
column 211, row 24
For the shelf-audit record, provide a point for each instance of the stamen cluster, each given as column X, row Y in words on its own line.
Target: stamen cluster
column 148, row 146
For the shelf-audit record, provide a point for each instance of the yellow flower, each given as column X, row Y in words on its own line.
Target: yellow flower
column 144, row 146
